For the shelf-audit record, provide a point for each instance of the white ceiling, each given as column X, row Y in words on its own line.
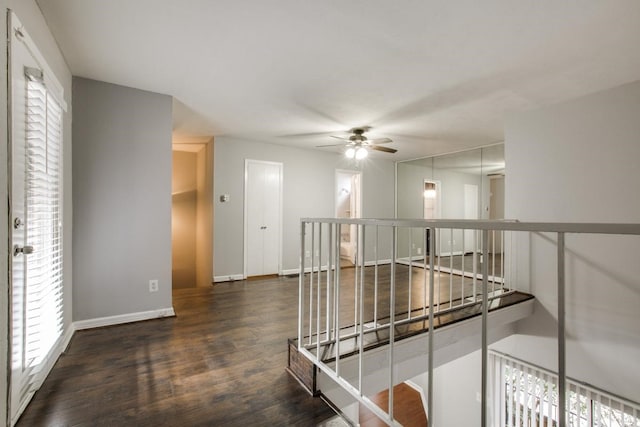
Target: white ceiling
column 436, row 76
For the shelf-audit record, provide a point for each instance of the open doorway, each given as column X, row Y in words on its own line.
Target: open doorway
column 348, row 205
column 192, row 213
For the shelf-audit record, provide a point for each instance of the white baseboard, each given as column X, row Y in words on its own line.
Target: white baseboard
column 380, row 262
column 306, row 270
column 67, row 337
column 324, row 267
column 123, row 318
column 229, row 278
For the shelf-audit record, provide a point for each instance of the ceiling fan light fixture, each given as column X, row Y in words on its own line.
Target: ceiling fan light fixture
column 361, row 153
column 350, row 153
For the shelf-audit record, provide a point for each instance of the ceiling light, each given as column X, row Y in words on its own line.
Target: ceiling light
column 350, row 153
column 361, row 153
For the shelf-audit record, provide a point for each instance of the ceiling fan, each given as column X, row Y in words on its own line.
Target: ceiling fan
column 357, row 145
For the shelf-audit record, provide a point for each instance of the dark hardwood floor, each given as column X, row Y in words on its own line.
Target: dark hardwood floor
column 220, row 362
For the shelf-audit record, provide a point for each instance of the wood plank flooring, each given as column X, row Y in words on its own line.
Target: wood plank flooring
column 220, row 362
column 407, row 408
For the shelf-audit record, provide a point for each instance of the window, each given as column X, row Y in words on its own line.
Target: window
column 527, row 396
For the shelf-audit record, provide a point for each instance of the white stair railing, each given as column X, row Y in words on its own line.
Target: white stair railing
column 325, row 296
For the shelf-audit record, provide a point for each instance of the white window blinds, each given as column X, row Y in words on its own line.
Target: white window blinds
column 43, row 223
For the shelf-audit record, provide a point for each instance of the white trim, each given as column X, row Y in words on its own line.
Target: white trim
column 54, row 355
column 419, row 389
column 324, row 267
column 52, row 83
column 380, row 262
column 335, row 188
column 280, row 214
column 228, row 278
column 123, row 318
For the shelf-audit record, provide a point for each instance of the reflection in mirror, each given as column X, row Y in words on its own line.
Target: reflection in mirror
column 464, row 185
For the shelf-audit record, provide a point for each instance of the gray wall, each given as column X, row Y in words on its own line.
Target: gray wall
column 29, row 14
column 309, row 182
column 122, row 199
column 578, row 161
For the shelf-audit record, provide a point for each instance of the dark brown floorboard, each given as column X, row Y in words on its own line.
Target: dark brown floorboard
column 220, row 362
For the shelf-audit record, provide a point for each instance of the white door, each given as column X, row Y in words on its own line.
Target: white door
column 470, row 212
column 36, row 218
column 263, row 212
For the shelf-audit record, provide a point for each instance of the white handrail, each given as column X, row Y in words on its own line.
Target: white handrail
column 504, row 225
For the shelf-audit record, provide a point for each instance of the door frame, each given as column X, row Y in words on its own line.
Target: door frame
column 335, row 188
column 245, row 255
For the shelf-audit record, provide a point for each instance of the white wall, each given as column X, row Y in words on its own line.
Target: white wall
column 455, row 386
column 33, row 21
column 578, row 162
column 122, row 200
column 309, row 183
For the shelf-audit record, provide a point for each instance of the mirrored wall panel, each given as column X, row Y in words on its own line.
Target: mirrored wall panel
column 464, row 185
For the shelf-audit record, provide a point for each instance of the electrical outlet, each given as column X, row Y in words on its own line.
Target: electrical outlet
column 153, row 285
column 419, row 251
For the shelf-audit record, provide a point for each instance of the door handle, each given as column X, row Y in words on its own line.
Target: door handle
column 26, row 250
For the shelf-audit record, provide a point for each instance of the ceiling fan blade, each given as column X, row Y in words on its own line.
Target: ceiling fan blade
column 340, row 137
column 380, row 141
column 385, row 149
column 331, row 145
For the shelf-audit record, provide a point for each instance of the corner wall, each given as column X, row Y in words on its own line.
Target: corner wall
column 309, row 187
column 122, row 200
column 578, row 162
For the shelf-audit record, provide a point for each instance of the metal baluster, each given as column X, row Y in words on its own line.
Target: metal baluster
column 561, row 335
column 410, row 271
column 301, row 285
column 432, row 233
column 451, row 268
column 485, row 312
column 319, row 289
column 424, row 274
column 337, row 301
column 392, row 314
column 355, row 281
column 361, row 339
column 313, row 235
column 375, row 283
column 462, row 276
column 330, row 227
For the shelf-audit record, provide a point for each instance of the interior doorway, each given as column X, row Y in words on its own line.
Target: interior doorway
column 348, row 204
column 192, row 213
column 470, row 212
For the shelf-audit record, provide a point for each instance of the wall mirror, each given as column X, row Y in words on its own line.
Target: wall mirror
column 463, row 185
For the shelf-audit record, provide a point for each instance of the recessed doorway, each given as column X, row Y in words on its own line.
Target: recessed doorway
column 192, row 213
